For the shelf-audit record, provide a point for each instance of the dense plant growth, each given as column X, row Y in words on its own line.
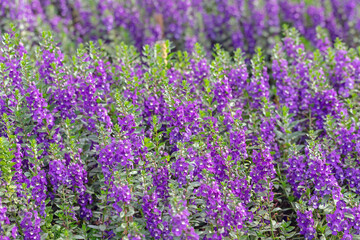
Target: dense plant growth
column 232, row 23
column 117, row 141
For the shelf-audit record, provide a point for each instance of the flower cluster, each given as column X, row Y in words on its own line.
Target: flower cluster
column 31, row 225
column 234, row 24
column 180, row 223
column 262, row 171
column 306, row 224
column 108, row 142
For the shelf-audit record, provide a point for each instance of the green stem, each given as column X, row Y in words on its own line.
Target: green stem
column 270, row 218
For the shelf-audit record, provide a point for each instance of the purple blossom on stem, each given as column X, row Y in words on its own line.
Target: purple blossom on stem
column 180, row 222
column 181, row 168
column 262, row 170
column 306, row 223
column 152, row 215
column 38, row 184
column 31, row 226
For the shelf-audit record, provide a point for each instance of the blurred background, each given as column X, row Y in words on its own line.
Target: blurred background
column 243, row 24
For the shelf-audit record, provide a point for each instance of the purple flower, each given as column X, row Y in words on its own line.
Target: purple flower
column 222, row 94
column 240, row 188
column 294, row 13
column 30, row 225
column 273, row 21
column 136, row 237
column 181, row 168
column 258, row 88
column 116, row 154
column 161, row 178
column 38, row 184
column 296, row 174
column 58, row 174
column 3, row 217
column 180, row 221
column 14, row 232
column 152, row 215
column 347, row 237
column 287, row 87
column 342, row 74
column 78, row 179
column 306, row 223
column 262, row 171
column 120, row 194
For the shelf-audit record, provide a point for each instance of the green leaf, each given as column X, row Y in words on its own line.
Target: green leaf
column 93, row 226
column 102, row 227
column 78, row 237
